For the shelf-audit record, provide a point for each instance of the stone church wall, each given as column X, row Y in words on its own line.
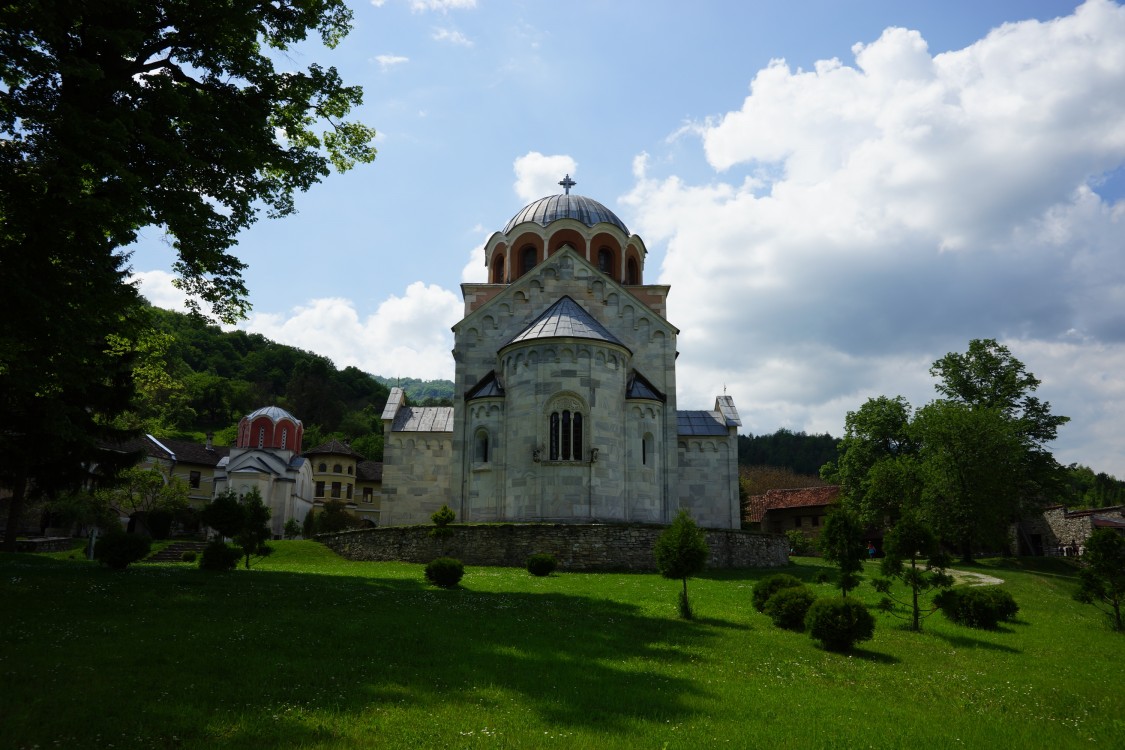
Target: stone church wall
column 708, row 474
column 416, row 476
column 576, row 547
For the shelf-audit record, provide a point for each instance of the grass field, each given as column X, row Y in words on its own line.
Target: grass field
column 311, row 651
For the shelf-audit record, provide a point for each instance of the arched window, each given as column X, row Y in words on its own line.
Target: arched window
column 284, row 438
column 498, row 269
column 647, row 444
column 565, row 437
column 605, row 261
column 337, row 468
column 632, row 272
column 261, row 437
column 349, row 468
column 322, row 467
column 527, row 259
column 480, row 453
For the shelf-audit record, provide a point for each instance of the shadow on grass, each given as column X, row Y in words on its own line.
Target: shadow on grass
column 871, row 656
column 965, row 641
column 243, row 660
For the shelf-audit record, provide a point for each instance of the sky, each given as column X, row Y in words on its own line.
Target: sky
column 838, row 193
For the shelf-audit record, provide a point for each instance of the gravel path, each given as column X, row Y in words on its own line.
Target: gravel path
column 974, row 579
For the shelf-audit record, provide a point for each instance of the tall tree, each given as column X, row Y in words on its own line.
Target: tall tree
column 841, row 543
column 123, row 114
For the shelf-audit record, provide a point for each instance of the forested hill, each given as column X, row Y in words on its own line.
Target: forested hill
column 802, row 453
column 195, row 378
column 422, row 392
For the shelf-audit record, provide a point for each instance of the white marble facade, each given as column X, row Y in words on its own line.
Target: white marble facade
column 565, row 399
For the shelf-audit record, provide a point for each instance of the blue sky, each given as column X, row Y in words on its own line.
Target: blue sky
column 838, row 193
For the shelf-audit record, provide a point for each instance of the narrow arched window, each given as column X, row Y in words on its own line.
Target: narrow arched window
column 337, row 468
column 605, row 261
column 322, row 467
column 565, row 440
column 261, row 437
column 632, row 273
column 481, row 451
column 498, row 269
column 284, row 438
column 527, row 259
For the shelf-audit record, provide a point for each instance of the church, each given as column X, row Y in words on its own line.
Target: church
column 565, row 392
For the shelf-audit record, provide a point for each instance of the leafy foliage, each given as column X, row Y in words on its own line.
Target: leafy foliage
column 914, row 556
column 541, row 564
column 445, row 572
column 681, row 551
column 767, row 587
column 219, row 556
column 1103, row 577
column 977, row 607
column 115, row 117
column 839, row 623
column 333, row 517
column 799, row 544
column 788, row 607
column 243, row 519
column 841, row 542
column 116, row 549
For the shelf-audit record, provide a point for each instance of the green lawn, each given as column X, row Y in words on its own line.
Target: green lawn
column 311, row 651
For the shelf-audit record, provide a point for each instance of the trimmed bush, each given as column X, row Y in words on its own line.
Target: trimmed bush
column 118, row 550
column 767, row 587
column 788, row 607
column 977, row 607
column 445, row 572
column 541, row 564
column 218, row 555
column 839, row 623
column 188, row 556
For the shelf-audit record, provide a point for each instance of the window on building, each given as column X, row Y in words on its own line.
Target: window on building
column 336, row 489
column 565, row 435
column 368, row 495
column 349, row 490
column 644, row 450
column 337, row 468
column 261, row 437
column 320, row 489
column 284, row 438
column 322, row 467
column 797, row 521
column 815, row 520
column 498, row 269
column 605, row 261
column 632, row 274
column 480, row 454
column 349, row 469
column 527, row 259
column 194, row 479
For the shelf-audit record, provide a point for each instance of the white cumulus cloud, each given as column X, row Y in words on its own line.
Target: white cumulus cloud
column 538, row 175
column 868, row 216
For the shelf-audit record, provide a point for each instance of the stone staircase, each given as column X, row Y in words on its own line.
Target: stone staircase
column 174, row 551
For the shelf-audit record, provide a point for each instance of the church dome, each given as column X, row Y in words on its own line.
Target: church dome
column 555, row 207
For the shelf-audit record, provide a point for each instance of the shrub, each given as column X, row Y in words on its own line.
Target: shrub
column 839, row 623
column 445, row 572
column 767, row 587
column 117, row 549
column 218, row 555
column 159, row 522
column 681, row 551
column 788, row 607
column 541, row 564
column 823, row 577
column 977, row 607
column 188, row 556
column 798, row 542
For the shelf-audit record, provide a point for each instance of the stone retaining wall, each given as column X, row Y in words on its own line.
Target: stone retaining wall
column 576, row 547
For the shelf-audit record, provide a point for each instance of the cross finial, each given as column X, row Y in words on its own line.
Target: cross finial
column 567, row 183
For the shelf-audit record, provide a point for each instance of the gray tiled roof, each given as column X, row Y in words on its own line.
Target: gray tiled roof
column 424, row 419
column 566, row 319
column 700, row 423
column 488, row 387
column 275, row 413
column 725, row 405
column 555, row 207
column 639, row 387
column 332, row 447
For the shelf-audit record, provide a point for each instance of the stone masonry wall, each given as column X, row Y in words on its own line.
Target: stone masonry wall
column 576, row 547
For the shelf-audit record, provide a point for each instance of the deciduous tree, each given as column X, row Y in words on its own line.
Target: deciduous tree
column 124, row 114
column 681, row 552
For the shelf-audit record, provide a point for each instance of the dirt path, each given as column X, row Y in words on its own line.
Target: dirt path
column 974, row 579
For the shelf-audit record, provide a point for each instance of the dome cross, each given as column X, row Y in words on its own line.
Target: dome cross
column 567, row 183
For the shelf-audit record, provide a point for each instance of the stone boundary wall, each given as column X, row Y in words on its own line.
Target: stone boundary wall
column 577, row 547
